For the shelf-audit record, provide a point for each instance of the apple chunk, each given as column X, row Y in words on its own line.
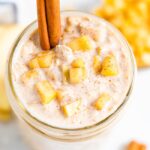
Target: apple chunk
column 109, row 66
column 101, row 101
column 31, row 74
column 96, row 64
column 42, row 60
column 78, row 63
column 81, row 43
column 76, row 75
column 45, row 91
column 71, row 109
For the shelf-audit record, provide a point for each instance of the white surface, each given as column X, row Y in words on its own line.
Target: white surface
column 27, row 8
column 10, row 138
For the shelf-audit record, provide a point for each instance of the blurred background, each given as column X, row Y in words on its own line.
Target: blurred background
column 132, row 18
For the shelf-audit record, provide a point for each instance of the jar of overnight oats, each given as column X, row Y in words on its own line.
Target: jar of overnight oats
column 65, row 98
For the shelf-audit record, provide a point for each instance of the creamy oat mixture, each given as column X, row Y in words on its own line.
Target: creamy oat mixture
column 78, row 83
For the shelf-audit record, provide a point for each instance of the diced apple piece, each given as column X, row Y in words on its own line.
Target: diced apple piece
column 29, row 75
column 59, row 95
column 78, row 63
column 45, row 91
column 134, row 145
column 71, row 109
column 98, row 49
column 42, row 60
column 45, row 60
column 76, row 75
column 109, row 66
column 82, row 43
column 96, row 64
column 65, row 73
column 33, row 63
column 102, row 100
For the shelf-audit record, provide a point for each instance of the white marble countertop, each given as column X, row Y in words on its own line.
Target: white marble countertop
column 10, row 138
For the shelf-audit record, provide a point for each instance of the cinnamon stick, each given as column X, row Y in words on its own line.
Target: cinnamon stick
column 42, row 24
column 53, row 21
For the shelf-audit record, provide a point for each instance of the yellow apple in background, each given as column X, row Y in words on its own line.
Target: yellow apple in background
column 8, row 34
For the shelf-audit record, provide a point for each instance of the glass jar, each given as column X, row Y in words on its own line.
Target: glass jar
column 43, row 136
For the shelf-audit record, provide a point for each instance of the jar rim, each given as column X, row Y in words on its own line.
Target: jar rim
column 58, row 129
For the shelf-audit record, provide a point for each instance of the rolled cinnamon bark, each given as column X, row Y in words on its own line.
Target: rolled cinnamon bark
column 42, row 25
column 53, row 21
